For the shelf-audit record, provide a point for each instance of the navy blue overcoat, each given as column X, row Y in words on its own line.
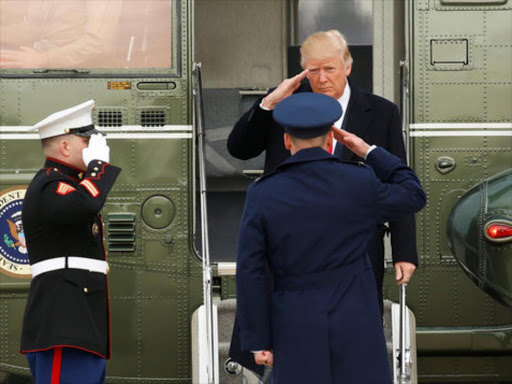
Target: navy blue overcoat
column 370, row 117
column 311, row 224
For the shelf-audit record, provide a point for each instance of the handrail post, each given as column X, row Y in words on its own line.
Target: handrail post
column 207, row 271
column 404, row 104
column 405, row 375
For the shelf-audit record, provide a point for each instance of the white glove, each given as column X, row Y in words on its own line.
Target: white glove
column 97, row 150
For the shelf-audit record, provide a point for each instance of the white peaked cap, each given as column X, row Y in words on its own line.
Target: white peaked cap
column 57, row 123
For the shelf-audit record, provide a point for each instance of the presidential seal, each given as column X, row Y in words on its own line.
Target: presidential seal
column 13, row 246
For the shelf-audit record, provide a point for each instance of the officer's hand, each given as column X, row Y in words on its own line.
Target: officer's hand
column 285, row 89
column 351, row 141
column 97, row 150
column 403, row 272
column 264, row 358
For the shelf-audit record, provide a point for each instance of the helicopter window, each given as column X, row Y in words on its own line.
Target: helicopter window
column 87, row 34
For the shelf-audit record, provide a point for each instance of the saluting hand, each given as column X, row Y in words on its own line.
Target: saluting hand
column 97, row 149
column 285, row 89
column 351, row 141
column 264, row 358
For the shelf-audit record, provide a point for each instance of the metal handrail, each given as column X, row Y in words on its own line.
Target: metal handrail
column 207, row 271
column 405, row 372
column 405, row 85
column 404, row 101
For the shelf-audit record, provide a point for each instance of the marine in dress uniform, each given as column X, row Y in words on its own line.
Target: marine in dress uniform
column 66, row 325
column 311, row 223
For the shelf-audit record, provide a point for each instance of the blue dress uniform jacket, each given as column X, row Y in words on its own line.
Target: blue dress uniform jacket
column 67, row 307
column 311, row 224
column 370, row 117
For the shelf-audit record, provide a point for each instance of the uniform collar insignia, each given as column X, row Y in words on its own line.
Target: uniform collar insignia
column 64, row 168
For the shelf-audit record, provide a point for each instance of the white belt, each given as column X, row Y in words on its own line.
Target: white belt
column 91, row 265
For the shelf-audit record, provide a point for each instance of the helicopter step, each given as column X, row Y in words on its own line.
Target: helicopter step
column 229, row 371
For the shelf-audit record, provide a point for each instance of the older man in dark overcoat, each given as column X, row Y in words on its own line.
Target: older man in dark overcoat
column 311, row 223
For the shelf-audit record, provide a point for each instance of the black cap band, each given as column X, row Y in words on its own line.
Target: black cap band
column 85, row 131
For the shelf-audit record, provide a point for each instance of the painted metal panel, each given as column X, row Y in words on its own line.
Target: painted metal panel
column 461, row 134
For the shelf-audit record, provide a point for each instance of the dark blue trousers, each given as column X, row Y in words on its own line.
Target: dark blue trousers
column 61, row 365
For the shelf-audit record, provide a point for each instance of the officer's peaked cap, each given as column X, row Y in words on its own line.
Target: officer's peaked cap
column 307, row 115
column 76, row 120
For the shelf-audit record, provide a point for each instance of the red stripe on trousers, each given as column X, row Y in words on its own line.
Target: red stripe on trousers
column 57, row 362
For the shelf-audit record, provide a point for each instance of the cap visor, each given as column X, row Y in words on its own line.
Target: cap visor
column 89, row 133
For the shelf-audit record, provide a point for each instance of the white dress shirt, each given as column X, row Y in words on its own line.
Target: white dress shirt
column 343, row 100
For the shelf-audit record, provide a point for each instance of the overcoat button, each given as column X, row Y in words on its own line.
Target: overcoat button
column 86, row 290
column 93, row 174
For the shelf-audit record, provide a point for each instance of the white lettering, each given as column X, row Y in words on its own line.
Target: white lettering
column 12, row 195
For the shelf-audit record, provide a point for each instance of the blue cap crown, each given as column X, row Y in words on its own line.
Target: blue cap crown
column 307, row 115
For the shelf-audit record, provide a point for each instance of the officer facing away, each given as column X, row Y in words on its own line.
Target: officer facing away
column 66, row 326
column 311, row 224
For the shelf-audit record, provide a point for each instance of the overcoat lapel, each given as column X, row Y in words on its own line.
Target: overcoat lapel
column 359, row 114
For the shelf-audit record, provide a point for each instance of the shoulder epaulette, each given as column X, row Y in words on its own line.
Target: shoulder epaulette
column 264, row 177
column 52, row 171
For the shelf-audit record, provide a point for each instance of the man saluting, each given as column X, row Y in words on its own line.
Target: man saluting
column 66, row 326
column 311, row 223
